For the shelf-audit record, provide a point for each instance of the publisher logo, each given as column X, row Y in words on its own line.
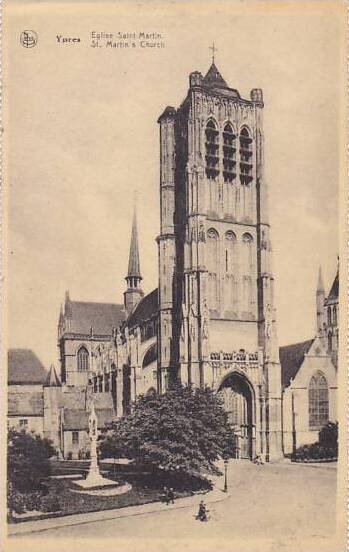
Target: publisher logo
column 29, row 39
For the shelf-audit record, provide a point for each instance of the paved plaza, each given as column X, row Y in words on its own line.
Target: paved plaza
column 274, row 507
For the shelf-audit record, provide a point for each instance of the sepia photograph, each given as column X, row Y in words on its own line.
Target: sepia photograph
column 173, row 224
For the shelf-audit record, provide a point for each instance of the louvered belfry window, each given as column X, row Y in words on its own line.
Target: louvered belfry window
column 229, row 152
column 246, row 153
column 212, row 147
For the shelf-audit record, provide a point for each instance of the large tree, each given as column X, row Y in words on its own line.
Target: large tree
column 184, row 431
column 27, row 459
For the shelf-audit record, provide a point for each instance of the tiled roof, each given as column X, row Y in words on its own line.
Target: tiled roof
column 334, row 292
column 24, row 367
column 101, row 317
column 146, row 308
column 103, row 401
column 30, row 403
column 78, row 419
column 291, row 359
column 214, row 78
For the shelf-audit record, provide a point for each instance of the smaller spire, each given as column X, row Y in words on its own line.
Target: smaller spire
column 52, row 379
column 134, row 269
column 320, row 284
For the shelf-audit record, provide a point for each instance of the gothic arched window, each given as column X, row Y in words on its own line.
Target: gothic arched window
column 230, row 252
column 247, row 254
column 247, row 273
column 318, row 401
column 229, row 150
column 212, row 146
column 246, row 153
column 213, row 267
column 83, row 360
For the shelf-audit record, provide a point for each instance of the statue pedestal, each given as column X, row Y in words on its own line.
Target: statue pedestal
column 94, row 478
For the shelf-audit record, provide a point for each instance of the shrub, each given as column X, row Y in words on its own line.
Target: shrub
column 316, row 451
column 328, row 435
column 27, row 460
column 50, row 504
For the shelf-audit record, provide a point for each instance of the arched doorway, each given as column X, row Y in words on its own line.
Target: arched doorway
column 237, row 396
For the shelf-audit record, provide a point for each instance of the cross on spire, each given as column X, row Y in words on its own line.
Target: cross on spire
column 214, row 49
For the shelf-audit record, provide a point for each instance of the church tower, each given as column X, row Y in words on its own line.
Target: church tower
column 217, row 318
column 134, row 293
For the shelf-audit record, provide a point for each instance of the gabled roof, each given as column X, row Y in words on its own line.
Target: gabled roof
column 52, row 379
column 145, row 309
column 24, row 367
column 214, row 78
column 334, row 292
column 291, row 359
column 77, row 419
column 30, row 403
column 101, row 317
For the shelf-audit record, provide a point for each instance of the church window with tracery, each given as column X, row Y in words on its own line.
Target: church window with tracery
column 83, row 360
column 212, row 147
column 318, row 401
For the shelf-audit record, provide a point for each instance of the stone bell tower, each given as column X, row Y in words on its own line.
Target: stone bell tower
column 217, row 317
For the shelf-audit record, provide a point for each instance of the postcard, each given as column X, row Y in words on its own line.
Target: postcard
column 173, row 223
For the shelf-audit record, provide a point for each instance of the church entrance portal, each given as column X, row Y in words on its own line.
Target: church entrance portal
column 238, row 403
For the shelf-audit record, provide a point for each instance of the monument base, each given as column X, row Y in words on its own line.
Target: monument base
column 94, row 481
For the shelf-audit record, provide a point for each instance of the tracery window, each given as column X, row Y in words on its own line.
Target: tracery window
column 318, row 401
column 83, row 360
column 212, row 146
column 229, row 151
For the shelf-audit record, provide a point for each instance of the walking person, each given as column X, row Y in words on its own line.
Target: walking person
column 202, row 513
column 171, row 496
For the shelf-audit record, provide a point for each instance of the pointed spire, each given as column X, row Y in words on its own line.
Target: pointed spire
column 320, row 284
column 134, row 293
column 52, row 379
column 214, row 78
column 134, row 270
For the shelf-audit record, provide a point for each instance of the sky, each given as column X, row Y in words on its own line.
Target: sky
column 82, row 135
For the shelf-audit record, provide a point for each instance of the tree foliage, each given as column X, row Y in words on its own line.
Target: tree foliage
column 27, row 459
column 184, row 430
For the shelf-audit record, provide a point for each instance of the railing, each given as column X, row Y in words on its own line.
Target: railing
column 241, row 359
